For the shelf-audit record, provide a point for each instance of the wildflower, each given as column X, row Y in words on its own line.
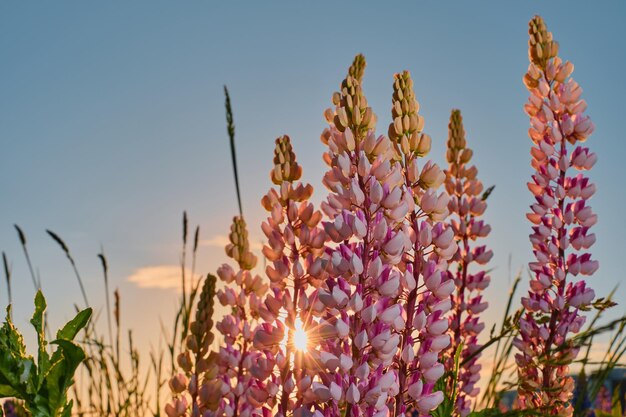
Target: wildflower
column 425, row 286
column 365, row 213
column 561, row 221
column 465, row 191
column 295, row 241
column 195, row 390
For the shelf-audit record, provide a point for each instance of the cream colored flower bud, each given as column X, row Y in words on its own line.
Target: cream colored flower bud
column 286, row 169
column 466, row 155
column 239, row 248
column 357, row 68
column 407, row 123
column 541, row 46
column 423, row 148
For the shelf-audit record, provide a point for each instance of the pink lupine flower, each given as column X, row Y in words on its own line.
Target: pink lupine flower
column 426, row 288
column 561, row 221
column 295, row 240
column 240, row 390
column 466, row 205
column 603, row 401
column 365, row 211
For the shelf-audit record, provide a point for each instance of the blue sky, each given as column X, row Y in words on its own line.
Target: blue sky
column 112, row 123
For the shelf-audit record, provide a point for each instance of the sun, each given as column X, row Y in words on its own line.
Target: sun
column 300, row 339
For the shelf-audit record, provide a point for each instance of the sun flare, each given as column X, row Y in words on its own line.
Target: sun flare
column 300, row 339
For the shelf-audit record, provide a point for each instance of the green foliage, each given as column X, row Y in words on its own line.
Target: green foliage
column 43, row 384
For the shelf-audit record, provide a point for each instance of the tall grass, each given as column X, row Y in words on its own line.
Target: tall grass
column 115, row 380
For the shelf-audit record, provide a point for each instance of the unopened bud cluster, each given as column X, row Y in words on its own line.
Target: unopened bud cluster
column 195, row 390
column 239, row 247
column 351, row 108
column 541, row 46
column 286, row 169
column 407, row 126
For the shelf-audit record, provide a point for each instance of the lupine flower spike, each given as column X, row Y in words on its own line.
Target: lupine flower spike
column 561, row 219
column 466, row 206
column 195, row 390
column 241, row 393
column 295, row 240
column 424, row 289
column 358, row 300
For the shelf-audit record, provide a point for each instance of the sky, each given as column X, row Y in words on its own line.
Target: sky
column 112, row 123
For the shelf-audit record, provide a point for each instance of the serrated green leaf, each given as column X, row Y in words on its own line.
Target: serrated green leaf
column 18, row 372
column 10, row 338
column 43, row 360
column 72, row 353
column 71, row 329
column 60, row 376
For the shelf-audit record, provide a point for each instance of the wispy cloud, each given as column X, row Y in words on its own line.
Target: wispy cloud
column 159, row 276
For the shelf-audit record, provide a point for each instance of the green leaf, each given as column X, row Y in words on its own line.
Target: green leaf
column 43, row 386
column 71, row 329
column 60, row 377
column 43, row 360
column 72, row 353
column 10, row 338
column 18, row 372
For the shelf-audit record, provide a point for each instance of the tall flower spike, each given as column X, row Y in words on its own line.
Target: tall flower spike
column 466, row 207
column 241, row 391
column 424, row 286
column 357, row 301
column 196, row 390
column 295, row 242
column 561, row 220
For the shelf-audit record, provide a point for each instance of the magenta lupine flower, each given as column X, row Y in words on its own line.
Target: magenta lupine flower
column 295, row 240
column 222, row 383
column 384, row 215
column 561, row 219
column 425, row 286
column 241, row 392
column 466, row 207
column 365, row 209
column 603, row 401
